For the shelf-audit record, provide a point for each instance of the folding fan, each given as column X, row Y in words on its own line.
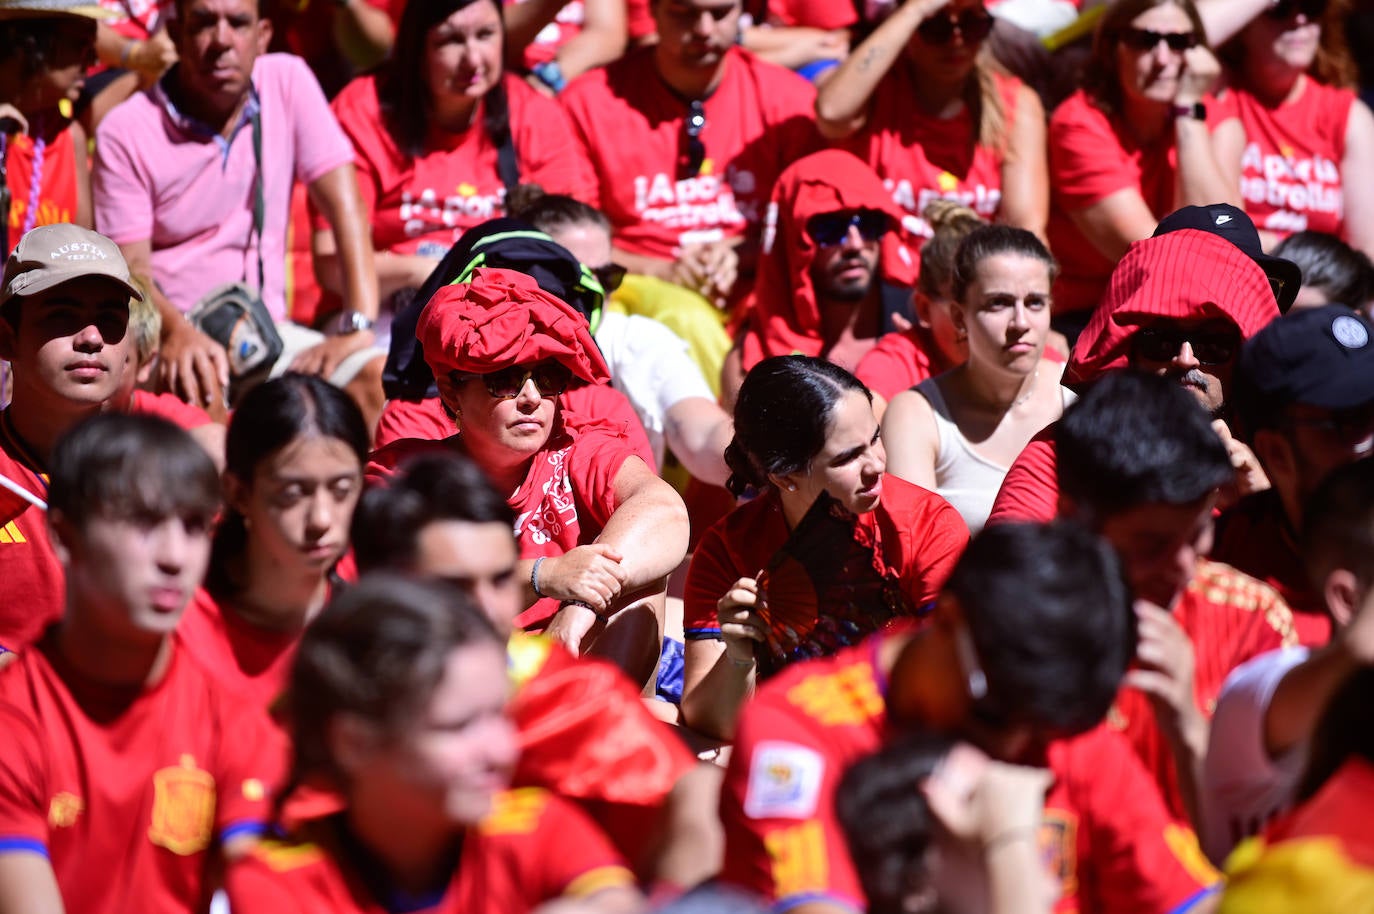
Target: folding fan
column 824, row 589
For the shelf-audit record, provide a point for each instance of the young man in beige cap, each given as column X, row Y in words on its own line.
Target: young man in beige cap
column 64, row 315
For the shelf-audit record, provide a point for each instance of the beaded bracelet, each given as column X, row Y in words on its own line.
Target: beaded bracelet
column 534, row 576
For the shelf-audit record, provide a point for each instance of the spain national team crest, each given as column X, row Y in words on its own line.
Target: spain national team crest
column 183, row 808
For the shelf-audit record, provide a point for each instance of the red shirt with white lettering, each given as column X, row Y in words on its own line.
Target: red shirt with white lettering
column 33, row 589
column 923, row 158
column 1229, row 617
column 1291, row 168
column 758, row 121
column 1092, row 156
column 127, row 791
column 566, row 499
column 1106, row 833
column 532, row 848
column 424, row 205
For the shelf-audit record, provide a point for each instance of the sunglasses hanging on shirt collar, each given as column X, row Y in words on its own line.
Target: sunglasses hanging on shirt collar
column 694, row 149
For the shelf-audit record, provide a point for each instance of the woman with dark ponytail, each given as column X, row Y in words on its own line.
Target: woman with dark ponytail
column 294, row 458
column 804, row 429
column 442, row 133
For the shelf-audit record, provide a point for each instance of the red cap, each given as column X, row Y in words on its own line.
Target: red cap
column 1187, row 275
column 502, row 318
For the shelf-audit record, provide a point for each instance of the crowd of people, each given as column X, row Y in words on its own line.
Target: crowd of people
column 599, row 457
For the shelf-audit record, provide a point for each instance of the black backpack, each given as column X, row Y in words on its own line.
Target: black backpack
column 505, row 243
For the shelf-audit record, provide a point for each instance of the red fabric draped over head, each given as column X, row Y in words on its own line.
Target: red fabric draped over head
column 502, row 318
column 782, row 311
column 1185, row 275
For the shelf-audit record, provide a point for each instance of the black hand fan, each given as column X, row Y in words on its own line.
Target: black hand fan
column 825, row 589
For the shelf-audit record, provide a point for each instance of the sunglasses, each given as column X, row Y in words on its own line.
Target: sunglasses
column 973, row 25
column 830, row 229
column 610, row 276
column 695, row 155
column 1159, row 344
column 1287, row 9
column 551, row 379
column 1148, row 40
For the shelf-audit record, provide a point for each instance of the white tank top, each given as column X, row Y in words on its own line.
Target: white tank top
column 963, row 477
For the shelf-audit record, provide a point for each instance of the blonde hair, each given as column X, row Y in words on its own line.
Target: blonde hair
column 983, row 97
column 951, row 222
column 145, row 323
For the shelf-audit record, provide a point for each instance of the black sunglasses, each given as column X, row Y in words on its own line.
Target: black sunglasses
column 1287, row 9
column 1160, row 344
column 610, row 276
column 551, row 378
column 695, row 154
column 973, row 24
column 1148, row 40
column 829, row 229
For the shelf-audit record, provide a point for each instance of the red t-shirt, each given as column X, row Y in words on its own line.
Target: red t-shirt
column 531, row 848
column 594, row 404
column 1229, row 617
column 126, row 792
column 57, row 197
column 424, row 205
column 923, row 158
column 758, row 121
column 816, row 14
column 170, row 407
column 1291, row 169
column 566, row 499
column 897, row 362
column 1092, row 156
column 586, row 735
column 1106, row 834
column 1030, row 490
column 33, row 589
column 252, row 662
column 1256, row 538
column 918, row 535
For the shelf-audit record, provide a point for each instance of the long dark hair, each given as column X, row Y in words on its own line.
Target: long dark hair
column 782, row 417
column 270, row 417
column 401, row 88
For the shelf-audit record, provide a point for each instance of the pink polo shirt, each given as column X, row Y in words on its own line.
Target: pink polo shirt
column 160, row 176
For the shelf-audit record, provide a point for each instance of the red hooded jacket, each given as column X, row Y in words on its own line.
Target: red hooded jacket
column 782, row 315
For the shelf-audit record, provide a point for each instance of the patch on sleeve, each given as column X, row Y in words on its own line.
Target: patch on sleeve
column 784, row 781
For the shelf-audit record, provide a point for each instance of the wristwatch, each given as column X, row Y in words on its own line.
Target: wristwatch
column 1197, row 111
column 352, row 322
column 550, row 74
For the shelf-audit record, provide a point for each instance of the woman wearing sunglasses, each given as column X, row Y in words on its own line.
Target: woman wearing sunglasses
column 1140, row 140
column 919, row 102
column 441, row 132
column 804, row 429
column 1308, row 140
column 958, row 432
column 598, row 531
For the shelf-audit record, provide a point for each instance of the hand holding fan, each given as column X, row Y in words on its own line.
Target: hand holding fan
column 824, row 589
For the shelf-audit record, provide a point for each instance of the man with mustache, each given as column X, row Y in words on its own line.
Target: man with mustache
column 832, row 233
column 64, row 315
column 1178, row 305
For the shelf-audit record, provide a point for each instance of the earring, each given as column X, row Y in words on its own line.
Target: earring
column 960, row 334
column 791, row 487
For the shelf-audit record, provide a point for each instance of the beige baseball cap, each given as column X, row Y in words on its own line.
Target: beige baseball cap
column 53, row 254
